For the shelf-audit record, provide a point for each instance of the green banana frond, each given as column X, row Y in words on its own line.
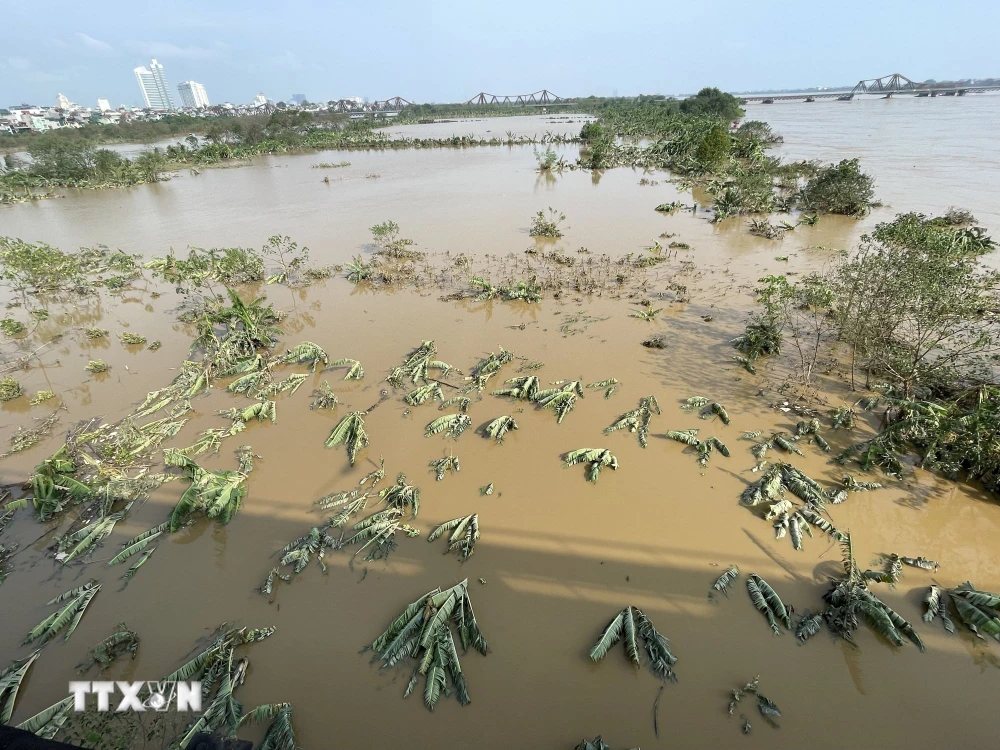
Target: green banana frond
column 10, row 682
column 417, row 365
column 462, row 402
column 351, row 432
column 637, row 420
column 424, row 393
column 597, row 458
column 631, row 625
column 69, row 616
column 488, row 367
column 122, row 641
column 442, row 465
column 688, row 437
column 768, row 603
column 499, row 427
column 695, row 402
column 723, row 582
column 402, row 496
column 288, row 385
column 354, row 369
column 525, row 388
column 307, row 351
column 217, row 494
column 452, row 425
column 324, row 397
column 464, row 535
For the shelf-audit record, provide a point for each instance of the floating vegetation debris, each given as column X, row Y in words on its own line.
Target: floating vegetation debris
column 499, row 427
column 843, row 417
column 11, row 327
column 122, row 641
column 68, row 616
column 768, row 603
column 694, row 402
column 462, row 402
column 10, row 682
column 978, row 610
column 852, row 484
column 487, row 490
column 354, row 369
column 562, row 398
column 630, row 625
column 26, row 438
column 85, row 540
column 464, row 535
column 442, row 465
column 218, row 494
column 351, row 432
column 424, row 393
column 132, row 339
column 637, row 420
column 298, row 553
column 488, row 367
column 452, row 425
column 41, row 397
column 920, row 562
column 704, row 448
column 305, row 352
column 649, row 314
column 422, row 632
column 655, row 342
column 96, row 333
column 96, row 366
column 9, row 389
column 723, row 582
column 598, row 458
column 610, row 386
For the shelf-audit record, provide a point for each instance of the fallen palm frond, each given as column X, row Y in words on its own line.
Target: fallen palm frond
column 261, row 411
column 695, row 402
column 488, row 367
column 417, row 364
column 464, row 535
column 375, row 476
column 499, row 427
column 69, row 615
column 307, row 351
column 298, row 553
column 86, row 539
column 462, row 402
column 598, row 458
column 10, row 682
column 852, row 484
column 122, row 641
column 351, row 432
column 892, row 573
column 850, row 602
column 379, row 529
column 136, row 565
column 139, row 542
column 354, row 369
column 442, row 465
column 525, row 388
column 920, row 562
column 768, row 603
column 631, row 624
column 723, row 582
column 279, row 735
column 562, row 398
column 324, row 397
column 978, row 610
column 402, row 496
column 452, row 425
column 422, row 632
column 637, row 420
column 424, row 393
column 289, row 385
column 218, row 494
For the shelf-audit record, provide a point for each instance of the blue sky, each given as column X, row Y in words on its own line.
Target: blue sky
column 433, row 50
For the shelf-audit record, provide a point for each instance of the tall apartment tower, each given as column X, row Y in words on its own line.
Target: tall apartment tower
column 193, row 95
column 155, row 90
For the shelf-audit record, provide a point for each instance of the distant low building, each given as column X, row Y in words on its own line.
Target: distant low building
column 193, row 95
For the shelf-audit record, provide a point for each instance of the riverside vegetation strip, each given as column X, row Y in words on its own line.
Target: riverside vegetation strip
column 101, row 470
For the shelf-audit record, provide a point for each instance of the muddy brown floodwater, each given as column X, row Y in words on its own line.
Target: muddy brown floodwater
column 560, row 556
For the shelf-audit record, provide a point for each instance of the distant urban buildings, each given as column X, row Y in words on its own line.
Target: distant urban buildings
column 153, row 83
column 298, row 98
column 259, row 101
column 103, row 105
column 193, row 95
column 64, row 103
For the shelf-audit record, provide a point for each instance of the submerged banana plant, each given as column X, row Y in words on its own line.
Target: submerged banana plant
column 138, row 543
column 218, row 494
column 562, row 398
column 637, row 420
column 978, row 610
column 422, row 632
column 86, row 539
column 354, row 369
column 486, row 368
column 10, row 682
column 122, row 641
column 424, row 393
column 695, row 402
column 703, row 448
column 351, row 432
column 442, row 465
column 401, row 496
column 525, row 388
column 499, row 427
column 298, row 553
column 279, row 735
column 324, row 397
column 379, row 529
column 462, row 402
column 464, row 535
column 452, row 425
column 69, row 616
column 598, row 458
column 307, row 351
column 768, row 603
column 417, row 364
column 289, row 385
column 723, row 582
column 631, row 625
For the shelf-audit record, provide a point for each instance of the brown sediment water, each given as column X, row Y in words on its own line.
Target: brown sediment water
column 560, row 556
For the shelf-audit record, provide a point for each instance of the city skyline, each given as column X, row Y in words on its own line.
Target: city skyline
column 428, row 52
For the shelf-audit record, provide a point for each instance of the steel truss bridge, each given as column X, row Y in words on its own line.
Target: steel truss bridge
column 886, row 87
column 395, row 104
column 537, row 99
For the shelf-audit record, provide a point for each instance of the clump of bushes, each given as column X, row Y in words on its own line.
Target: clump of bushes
column 840, row 189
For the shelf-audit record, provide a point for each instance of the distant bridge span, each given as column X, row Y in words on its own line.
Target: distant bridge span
column 886, row 86
column 395, row 104
column 536, row 99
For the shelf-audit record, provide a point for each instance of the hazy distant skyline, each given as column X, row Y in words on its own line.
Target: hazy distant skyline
column 447, row 51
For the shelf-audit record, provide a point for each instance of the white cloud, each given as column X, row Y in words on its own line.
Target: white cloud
column 168, row 50
column 95, row 44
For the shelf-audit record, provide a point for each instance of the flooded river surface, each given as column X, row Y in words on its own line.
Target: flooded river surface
column 559, row 556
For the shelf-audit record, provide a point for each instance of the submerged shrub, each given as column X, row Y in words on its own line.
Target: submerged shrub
column 840, row 189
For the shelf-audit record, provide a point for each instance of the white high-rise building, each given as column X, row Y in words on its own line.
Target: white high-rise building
column 155, row 90
column 260, row 100
column 64, row 103
column 193, row 95
column 103, row 104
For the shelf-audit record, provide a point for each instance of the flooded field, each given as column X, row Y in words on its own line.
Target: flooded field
column 559, row 556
